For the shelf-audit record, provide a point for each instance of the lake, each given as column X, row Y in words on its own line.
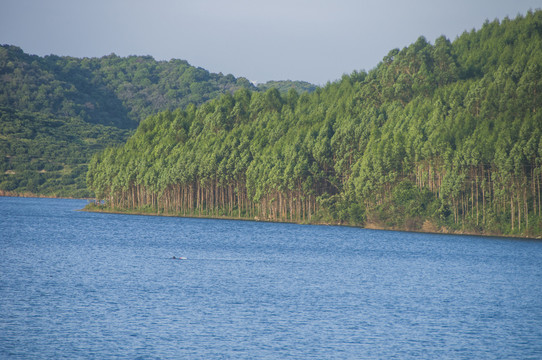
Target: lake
column 103, row 286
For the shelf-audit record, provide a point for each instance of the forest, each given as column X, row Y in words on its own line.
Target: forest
column 437, row 137
column 56, row 112
column 45, row 155
column 111, row 90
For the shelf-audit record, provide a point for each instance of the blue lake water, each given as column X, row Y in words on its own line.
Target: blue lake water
column 102, row 286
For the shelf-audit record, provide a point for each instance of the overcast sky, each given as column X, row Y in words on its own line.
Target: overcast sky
column 311, row 40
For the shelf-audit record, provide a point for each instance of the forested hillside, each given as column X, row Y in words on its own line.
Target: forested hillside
column 110, row 90
column 56, row 112
column 443, row 136
column 284, row 86
column 42, row 154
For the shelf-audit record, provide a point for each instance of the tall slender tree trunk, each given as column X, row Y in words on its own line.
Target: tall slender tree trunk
column 512, row 211
column 538, row 180
column 477, row 202
column 519, row 211
column 310, row 217
column 525, row 208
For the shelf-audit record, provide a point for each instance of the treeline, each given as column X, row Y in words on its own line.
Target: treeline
column 436, row 136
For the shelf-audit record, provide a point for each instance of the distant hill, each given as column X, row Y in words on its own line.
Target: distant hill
column 285, row 85
column 110, row 90
column 55, row 112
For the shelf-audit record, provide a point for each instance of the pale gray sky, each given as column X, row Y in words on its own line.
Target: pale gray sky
column 311, row 40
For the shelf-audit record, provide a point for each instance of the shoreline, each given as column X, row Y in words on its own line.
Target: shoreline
column 427, row 228
column 38, row 196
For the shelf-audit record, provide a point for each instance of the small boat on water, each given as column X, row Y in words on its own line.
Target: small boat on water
column 178, row 258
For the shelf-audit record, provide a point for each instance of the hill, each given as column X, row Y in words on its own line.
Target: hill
column 110, row 90
column 43, row 154
column 439, row 137
column 56, row 112
column 284, row 85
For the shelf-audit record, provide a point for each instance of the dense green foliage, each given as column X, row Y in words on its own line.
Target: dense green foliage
column 448, row 133
column 47, row 155
column 285, row 85
column 56, row 112
column 110, row 90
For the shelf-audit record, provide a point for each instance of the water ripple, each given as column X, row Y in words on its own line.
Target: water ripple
column 96, row 286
